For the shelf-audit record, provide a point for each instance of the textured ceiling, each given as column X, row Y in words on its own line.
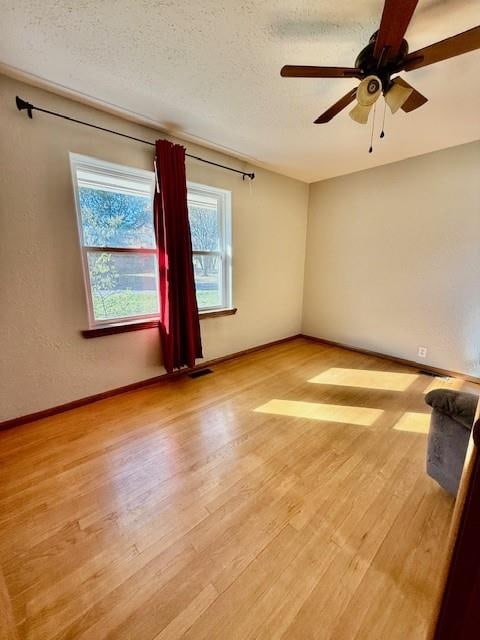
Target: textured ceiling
column 210, row 69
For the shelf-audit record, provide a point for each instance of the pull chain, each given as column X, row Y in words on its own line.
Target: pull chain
column 373, row 127
column 382, row 134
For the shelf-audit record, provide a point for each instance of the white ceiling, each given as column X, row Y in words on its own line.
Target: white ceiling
column 210, row 69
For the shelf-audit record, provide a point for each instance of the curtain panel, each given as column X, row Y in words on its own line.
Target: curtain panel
column 179, row 321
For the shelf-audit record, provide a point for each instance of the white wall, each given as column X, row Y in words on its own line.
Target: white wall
column 44, row 359
column 393, row 259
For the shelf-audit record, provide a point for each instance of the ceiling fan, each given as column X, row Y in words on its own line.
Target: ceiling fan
column 386, row 55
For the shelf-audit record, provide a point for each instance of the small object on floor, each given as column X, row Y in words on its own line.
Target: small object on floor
column 432, row 374
column 200, row 372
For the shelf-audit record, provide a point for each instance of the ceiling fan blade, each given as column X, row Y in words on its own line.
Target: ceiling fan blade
column 299, row 71
column 337, row 107
column 445, row 49
column 396, row 17
column 415, row 100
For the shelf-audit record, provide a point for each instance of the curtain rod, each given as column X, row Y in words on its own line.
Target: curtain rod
column 24, row 105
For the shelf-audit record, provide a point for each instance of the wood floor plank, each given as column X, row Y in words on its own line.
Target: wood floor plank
column 179, row 511
column 8, row 629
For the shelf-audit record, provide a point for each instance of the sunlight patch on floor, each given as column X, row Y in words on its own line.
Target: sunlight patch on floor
column 360, row 416
column 413, row 422
column 385, row 380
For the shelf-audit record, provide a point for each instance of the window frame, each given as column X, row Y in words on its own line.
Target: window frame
column 108, row 326
column 224, row 212
column 114, row 170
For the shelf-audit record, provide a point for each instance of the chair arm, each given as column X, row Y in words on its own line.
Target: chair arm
column 458, row 405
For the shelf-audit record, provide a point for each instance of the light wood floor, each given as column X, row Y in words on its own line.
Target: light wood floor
column 250, row 503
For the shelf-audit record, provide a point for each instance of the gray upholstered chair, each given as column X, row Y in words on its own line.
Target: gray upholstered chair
column 450, row 426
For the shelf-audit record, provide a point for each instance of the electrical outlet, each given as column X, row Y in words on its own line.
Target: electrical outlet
column 422, row 352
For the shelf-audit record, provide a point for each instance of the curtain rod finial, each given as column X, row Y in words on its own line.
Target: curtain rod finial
column 22, row 105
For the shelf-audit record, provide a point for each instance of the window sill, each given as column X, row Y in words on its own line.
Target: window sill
column 139, row 325
column 119, row 327
column 215, row 313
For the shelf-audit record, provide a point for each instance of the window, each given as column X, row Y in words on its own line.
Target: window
column 209, row 212
column 117, row 239
column 115, row 219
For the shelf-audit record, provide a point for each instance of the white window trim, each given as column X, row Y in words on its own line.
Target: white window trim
column 111, row 170
column 224, row 209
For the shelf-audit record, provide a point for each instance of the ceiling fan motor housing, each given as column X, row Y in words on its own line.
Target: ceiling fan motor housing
column 373, row 66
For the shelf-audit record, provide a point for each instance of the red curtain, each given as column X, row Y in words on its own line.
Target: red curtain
column 179, row 322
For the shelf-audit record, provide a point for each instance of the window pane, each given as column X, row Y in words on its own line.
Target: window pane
column 116, row 219
column 204, row 225
column 208, row 280
column 123, row 284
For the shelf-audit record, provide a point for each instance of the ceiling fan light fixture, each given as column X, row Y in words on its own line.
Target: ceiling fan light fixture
column 397, row 95
column 360, row 113
column 368, row 93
